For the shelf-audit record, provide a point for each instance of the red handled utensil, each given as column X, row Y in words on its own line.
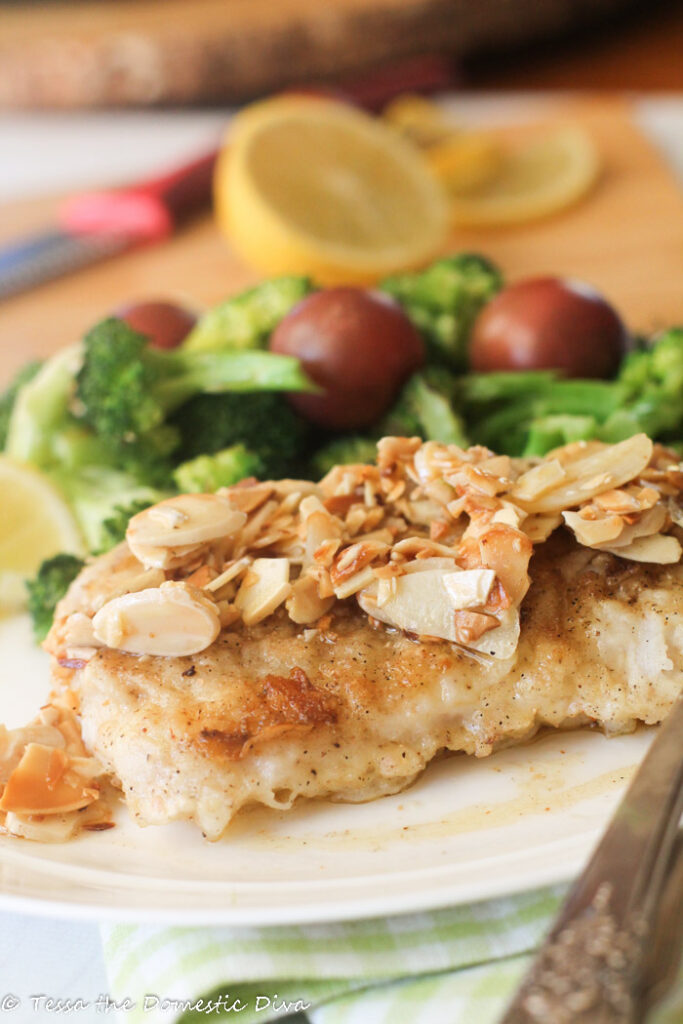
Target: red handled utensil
column 93, row 226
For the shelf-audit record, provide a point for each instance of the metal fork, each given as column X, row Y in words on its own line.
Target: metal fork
column 597, row 963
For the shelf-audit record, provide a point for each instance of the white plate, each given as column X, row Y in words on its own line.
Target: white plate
column 468, row 830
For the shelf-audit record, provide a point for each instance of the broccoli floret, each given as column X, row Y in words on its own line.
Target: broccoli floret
column 113, row 528
column 548, row 432
column 48, row 587
column 443, row 301
column 425, row 409
column 97, row 494
column 264, row 422
column 343, row 451
column 41, row 410
column 207, row 473
column 127, row 388
column 531, row 412
column 652, row 382
column 7, row 400
column 246, row 321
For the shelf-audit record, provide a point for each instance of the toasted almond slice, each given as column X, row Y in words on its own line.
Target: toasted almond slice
column 661, row 548
column 78, row 631
column 13, row 742
column 248, row 498
column 650, row 522
column 538, row 480
column 605, row 469
column 594, row 531
column 507, row 552
column 470, row 626
column 162, row 558
column 304, row 604
column 187, row 519
column 469, row 588
column 231, row 572
column 174, row 619
column 539, row 527
column 263, row 589
column 354, row 583
column 38, row 784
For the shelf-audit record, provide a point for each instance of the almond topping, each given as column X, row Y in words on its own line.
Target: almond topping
column 263, row 589
column 174, row 619
column 188, row 519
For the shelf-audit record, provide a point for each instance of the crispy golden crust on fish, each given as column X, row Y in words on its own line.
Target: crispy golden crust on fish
column 352, row 709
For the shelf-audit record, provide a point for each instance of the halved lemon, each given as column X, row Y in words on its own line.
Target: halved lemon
column 535, row 179
column 316, row 187
column 35, row 523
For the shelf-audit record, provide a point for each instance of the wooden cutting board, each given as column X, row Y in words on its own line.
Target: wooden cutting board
column 626, row 239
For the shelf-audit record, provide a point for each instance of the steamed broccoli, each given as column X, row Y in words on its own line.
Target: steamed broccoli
column 97, row 494
column 8, row 399
column 444, row 300
column 48, row 587
column 127, row 388
column 532, row 412
column 343, row 451
column 246, row 321
column 652, row 382
column 209, row 472
column 264, row 422
column 425, row 409
column 41, row 411
column 113, row 528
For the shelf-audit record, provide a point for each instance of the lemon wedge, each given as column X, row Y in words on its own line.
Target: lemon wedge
column 35, row 523
column 312, row 186
column 535, row 179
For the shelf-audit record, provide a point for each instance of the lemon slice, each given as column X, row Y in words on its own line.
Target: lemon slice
column 35, row 523
column 313, row 186
column 539, row 178
column 420, row 120
column 466, row 162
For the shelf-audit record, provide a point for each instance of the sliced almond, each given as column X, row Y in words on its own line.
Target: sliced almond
column 594, row 531
column 174, row 619
column 538, row 480
column 354, row 583
column 304, row 604
column 661, row 548
column 469, row 588
column 183, row 521
column 420, row 602
column 650, row 522
column 263, row 589
column 38, row 785
column 609, row 467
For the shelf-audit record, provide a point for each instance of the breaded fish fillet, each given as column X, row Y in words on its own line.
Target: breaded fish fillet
column 351, row 709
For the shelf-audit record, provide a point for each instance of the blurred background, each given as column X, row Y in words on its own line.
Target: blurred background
column 127, row 53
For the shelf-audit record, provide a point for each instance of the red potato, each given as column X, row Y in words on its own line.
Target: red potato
column 549, row 323
column 358, row 345
column 165, row 323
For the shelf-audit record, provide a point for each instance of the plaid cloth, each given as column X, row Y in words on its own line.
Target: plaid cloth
column 460, row 964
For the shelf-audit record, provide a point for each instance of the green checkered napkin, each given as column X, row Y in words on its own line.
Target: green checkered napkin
column 457, row 965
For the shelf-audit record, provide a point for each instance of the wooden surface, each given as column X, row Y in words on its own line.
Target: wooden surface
column 641, row 52
column 125, row 52
column 626, row 238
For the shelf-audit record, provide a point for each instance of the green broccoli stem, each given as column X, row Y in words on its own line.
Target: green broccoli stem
column 182, row 375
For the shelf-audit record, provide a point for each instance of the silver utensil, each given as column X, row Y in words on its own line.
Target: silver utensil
column 596, row 964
